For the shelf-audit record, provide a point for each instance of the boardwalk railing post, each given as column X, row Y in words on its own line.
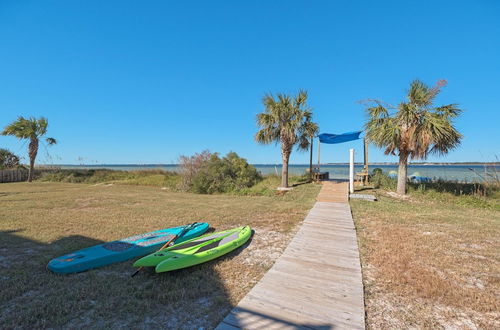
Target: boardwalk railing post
column 351, row 171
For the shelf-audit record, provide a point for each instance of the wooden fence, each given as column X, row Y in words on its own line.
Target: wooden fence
column 13, row 175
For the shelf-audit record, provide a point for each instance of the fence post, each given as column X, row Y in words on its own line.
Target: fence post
column 351, row 171
column 12, row 175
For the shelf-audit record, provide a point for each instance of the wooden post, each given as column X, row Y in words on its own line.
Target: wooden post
column 319, row 152
column 311, row 161
column 351, row 171
column 366, row 161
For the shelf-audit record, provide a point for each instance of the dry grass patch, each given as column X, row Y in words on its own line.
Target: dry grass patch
column 40, row 221
column 429, row 263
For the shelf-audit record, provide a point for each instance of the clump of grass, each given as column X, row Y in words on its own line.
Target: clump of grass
column 456, row 188
column 381, row 180
column 267, row 187
column 472, row 200
column 157, row 178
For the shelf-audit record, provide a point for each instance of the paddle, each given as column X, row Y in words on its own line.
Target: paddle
column 172, row 240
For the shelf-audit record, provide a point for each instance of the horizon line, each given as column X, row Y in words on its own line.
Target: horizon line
column 276, row 164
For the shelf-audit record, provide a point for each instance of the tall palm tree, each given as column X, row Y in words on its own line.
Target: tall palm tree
column 415, row 128
column 32, row 129
column 286, row 120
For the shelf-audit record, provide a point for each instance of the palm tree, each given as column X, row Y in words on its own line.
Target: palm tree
column 414, row 129
column 287, row 120
column 32, row 129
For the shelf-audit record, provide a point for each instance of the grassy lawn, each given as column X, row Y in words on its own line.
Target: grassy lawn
column 43, row 220
column 431, row 261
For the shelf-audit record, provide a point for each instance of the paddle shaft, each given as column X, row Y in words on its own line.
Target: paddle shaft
column 186, row 228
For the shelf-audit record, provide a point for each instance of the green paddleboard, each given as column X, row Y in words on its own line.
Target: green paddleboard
column 196, row 251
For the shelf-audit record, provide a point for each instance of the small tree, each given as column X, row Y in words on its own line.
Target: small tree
column 190, row 166
column 8, row 159
column 31, row 129
column 414, row 129
column 286, row 120
column 207, row 173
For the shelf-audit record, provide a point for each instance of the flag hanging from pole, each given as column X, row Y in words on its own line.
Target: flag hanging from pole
column 339, row 138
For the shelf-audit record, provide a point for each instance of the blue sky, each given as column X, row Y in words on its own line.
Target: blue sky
column 147, row 81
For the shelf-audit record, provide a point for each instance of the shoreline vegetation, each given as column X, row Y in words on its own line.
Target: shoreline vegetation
column 167, row 180
column 172, row 181
column 274, row 164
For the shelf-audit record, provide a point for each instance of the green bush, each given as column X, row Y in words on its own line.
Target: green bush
column 207, row 173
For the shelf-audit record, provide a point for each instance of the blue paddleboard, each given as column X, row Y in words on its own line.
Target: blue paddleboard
column 121, row 250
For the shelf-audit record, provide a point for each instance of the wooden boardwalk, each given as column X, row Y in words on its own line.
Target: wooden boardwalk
column 316, row 283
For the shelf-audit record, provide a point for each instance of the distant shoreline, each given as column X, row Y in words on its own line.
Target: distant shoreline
column 465, row 171
column 357, row 163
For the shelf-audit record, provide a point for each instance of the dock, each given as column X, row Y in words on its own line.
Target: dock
column 316, row 283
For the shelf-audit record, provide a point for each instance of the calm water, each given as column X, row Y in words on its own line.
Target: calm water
column 469, row 173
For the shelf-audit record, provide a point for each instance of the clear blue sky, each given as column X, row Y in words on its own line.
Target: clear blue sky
column 146, row 81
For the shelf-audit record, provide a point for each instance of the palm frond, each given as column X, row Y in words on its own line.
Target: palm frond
column 377, row 111
column 449, row 110
column 27, row 128
column 417, row 128
column 286, row 119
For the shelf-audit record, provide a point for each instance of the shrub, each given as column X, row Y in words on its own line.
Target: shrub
column 207, row 173
column 191, row 165
column 8, row 159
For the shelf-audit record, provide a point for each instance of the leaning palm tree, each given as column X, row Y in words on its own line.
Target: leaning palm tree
column 286, row 120
column 415, row 128
column 32, row 129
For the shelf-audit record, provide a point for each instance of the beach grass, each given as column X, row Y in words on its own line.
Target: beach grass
column 168, row 180
column 157, row 178
column 430, row 260
column 43, row 220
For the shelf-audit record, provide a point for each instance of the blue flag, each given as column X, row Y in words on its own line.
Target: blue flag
column 339, row 138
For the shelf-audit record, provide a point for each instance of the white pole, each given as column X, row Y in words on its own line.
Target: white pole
column 351, row 171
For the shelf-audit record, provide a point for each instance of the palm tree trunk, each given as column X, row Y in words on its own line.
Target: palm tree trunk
column 32, row 151
column 285, row 156
column 402, row 170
